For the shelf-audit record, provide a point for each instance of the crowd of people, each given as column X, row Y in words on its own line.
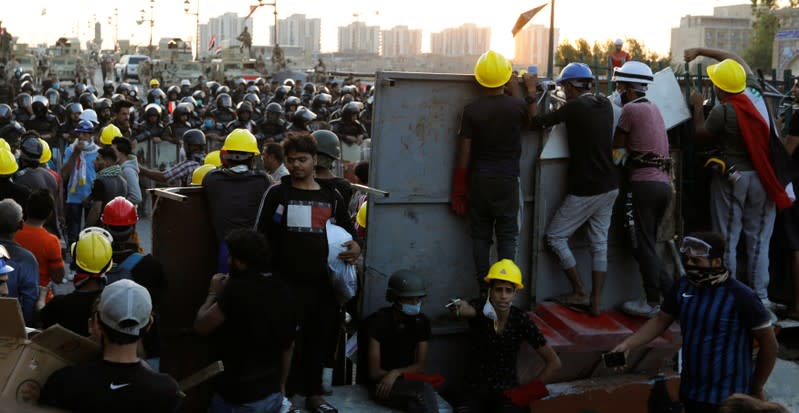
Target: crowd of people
column 73, row 174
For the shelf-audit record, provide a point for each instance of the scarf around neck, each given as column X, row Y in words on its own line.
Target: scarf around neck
column 755, row 133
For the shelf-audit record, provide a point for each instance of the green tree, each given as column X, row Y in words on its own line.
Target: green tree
column 759, row 53
column 581, row 51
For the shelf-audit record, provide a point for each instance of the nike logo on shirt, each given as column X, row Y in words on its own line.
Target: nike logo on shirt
column 687, row 295
column 118, row 386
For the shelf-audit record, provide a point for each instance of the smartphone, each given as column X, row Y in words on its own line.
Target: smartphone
column 613, row 360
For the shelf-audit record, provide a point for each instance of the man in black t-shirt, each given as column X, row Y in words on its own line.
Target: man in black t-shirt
column 592, row 180
column 293, row 216
column 234, row 191
column 395, row 340
column 496, row 331
column 486, row 176
column 256, row 318
column 120, row 382
column 91, row 255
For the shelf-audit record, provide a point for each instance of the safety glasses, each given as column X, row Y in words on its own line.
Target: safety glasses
column 695, row 247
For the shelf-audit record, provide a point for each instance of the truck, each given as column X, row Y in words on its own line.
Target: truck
column 66, row 54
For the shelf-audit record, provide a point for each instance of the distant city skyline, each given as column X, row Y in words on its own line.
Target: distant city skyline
column 594, row 21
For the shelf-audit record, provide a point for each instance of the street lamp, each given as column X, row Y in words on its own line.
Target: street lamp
column 196, row 15
column 152, row 23
column 274, row 5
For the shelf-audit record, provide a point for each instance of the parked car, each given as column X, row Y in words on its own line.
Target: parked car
column 128, row 67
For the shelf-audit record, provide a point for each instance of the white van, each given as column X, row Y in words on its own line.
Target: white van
column 128, row 67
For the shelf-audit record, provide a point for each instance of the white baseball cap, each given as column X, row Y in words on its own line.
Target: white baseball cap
column 125, row 307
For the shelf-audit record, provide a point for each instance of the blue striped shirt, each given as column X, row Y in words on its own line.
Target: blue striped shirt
column 716, row 324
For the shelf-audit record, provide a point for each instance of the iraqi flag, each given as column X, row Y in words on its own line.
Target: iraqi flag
column 212, row 42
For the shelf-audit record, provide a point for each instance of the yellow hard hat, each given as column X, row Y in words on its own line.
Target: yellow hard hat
column 241, row 140
column 47, row 154
column 199, row 173
column 505, row 270
column 4, row 144
column 213, row 158
column 492, row 70
column 92, row 251
column 109, row 133
column 8, row 163
column 728, row 75
column 360, row 218
column 154, row 83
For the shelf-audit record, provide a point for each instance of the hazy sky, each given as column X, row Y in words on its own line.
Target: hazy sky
column 647, row 20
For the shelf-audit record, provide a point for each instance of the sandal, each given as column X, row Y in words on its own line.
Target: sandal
column 325, row 408
column 573, row 303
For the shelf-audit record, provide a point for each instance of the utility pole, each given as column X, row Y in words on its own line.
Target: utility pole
column 196, row 15
column 551, row 58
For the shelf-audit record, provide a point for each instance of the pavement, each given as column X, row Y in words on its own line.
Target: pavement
column 781, row 385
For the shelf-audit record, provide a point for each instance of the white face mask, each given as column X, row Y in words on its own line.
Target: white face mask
column 490, row 313
column 615, row 98
column 83, row 144
column 239, row 169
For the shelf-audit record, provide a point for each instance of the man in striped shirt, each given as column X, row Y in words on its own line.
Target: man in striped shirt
column 719, row 317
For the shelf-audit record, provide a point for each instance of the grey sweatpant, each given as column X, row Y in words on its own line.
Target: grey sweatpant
column 575, row 211
column 744, row 207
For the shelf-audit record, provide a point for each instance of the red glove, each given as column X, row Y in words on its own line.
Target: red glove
column 460, row 183
column 435, row 380
column 525, row 395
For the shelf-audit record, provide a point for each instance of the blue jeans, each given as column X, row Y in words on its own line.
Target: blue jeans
column 269, row 404
column 74, row 217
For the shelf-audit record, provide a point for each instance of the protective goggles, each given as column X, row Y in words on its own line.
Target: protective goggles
column 695, row 247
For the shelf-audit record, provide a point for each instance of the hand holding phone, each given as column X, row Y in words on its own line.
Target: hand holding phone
column 614, row 359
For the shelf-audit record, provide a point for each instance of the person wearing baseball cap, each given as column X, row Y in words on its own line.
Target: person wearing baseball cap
column 120, row 381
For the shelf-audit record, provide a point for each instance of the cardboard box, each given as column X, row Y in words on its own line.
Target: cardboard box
column 25, row 364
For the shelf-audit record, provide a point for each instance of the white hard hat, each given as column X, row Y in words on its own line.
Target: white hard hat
column 633, row 72
column 185, row 82
column 90, row 115
column 619, row 42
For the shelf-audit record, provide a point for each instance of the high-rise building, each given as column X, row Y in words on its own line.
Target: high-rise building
column 400, row 41
column 466, row 40
column 299, row 31
column 532, row 45
column 729, row 28
column 225, row 28
column 357, row 37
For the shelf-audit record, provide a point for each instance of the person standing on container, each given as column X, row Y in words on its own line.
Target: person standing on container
column 641, row 147
column 592, row 182
column 485, row 183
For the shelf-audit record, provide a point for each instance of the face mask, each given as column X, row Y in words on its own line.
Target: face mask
column 208, row 123
column 83, row 144
column 616, row 98
column 239, row 169
column 489, row 312
column 199, row 157
column 706, row 276
column 157, row 101
column 56, row 86
column 411, row 309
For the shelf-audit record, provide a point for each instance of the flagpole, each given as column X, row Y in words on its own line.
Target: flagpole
column 551, row 57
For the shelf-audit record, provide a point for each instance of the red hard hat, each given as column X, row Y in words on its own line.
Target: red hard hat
column 119, row 213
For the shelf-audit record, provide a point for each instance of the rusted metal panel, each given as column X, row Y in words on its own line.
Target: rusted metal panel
column 184, row 242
